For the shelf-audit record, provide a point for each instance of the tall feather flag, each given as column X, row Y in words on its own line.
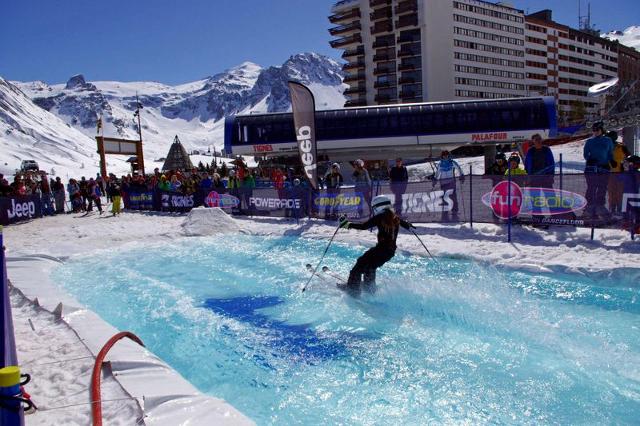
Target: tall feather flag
column 304, row 120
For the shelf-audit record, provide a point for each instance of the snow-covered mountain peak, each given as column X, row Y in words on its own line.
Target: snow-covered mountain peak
column 310, row 68
column 77, row 82
column 629, row 37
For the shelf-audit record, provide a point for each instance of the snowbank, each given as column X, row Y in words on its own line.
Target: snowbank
column 203, row 221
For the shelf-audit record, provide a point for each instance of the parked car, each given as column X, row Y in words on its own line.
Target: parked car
column 27, row 165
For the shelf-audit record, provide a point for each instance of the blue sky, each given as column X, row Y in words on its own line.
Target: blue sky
column 180, row 41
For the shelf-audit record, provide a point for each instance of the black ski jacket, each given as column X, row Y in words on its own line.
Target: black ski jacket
column 386, row 238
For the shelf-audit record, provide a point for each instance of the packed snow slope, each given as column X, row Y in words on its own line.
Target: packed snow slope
column 38, row 120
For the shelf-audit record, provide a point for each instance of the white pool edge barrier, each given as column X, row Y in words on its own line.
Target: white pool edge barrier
column 168, row 398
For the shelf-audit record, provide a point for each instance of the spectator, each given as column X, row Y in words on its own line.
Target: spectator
column 539, row 161
column 174, row 184
column 333, row 181
column 114, row 193
column 58, row 194
column 631, row 182
column 75, row 196
column 616, row 185
column 514, row 166
column 163, row 184
column 498, row 168
column 206, row 184
column 362, row 182
column 94, row 195
column 218, row 184
column 398, row 177
column 446, row 176
column 84, row 191
column 598, row 153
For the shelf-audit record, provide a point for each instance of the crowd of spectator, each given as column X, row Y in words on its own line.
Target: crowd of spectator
column 605, row 159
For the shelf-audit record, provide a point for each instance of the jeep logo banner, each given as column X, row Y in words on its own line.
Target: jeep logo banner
column 304, row 120
column 16, row 209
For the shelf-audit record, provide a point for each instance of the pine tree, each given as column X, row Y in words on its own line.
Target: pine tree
column 223, row 170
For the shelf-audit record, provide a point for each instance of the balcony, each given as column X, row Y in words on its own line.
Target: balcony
column 354, row 77
column 384, row 57
column 346, row 41
column 343, row 5
column 343, row 29
column 382, row 27
column 381, row 84
column 385, row 99
column 358, row 51
column 406, row 52
column 383, row 43
column 408, row 38
column 384, row 70
column 352, row 65
column 385, row 13
column 358, row 90
column 408, row 67
column 379, row 3
column 409, row 80
column 407, row 21
column 410, row 95
column 355, row 103
column 406, row 6
column 345, row 16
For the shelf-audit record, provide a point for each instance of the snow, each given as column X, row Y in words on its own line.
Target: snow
column 31, row 246
column 629, row 37
column 203, row 221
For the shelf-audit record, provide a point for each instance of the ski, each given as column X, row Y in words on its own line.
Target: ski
column 315, row 273
column 326, row 270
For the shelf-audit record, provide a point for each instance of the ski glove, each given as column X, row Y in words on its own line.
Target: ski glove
column 344, row 223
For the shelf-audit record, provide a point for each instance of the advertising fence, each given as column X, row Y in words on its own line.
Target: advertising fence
column 608, row 200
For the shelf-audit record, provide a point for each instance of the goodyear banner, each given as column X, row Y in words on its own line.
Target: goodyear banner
column 304, row 116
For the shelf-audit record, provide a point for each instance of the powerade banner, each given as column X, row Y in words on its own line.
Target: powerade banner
column 16, row 209
column 303, row 106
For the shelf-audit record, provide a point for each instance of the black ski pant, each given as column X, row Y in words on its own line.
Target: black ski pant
column 367, row 264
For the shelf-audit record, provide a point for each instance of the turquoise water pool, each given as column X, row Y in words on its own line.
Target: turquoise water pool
column 454, row 342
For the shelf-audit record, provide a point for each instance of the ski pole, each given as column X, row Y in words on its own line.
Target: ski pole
column 423, row 245
column 320, row 261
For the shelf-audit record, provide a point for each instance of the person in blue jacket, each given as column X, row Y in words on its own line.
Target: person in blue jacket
column 598, row 153
column 539, row 162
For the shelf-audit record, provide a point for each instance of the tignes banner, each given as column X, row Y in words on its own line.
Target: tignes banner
column 303, row 106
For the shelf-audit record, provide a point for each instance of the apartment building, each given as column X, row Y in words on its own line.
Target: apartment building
column 421, row 50
column 564, row 62
column 401, row 51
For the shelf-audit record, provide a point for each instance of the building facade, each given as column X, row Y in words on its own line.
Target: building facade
column 564, row 62
column 400, row 51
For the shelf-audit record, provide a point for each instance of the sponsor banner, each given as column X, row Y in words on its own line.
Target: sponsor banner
column 339, row 202
column 224, row 201
column 304, row 120
column 141, row 200
column 176, row 202
column 263, row 203
column 507, row 203
column 17, row 209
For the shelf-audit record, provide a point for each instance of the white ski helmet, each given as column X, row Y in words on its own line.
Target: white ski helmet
column 359, row 162
column 380, row 203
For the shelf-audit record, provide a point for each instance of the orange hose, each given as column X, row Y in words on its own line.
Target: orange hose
column 96, row 406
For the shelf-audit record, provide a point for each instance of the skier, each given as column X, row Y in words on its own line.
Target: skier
column 388, row 224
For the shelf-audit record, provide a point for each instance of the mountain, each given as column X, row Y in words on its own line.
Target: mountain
column 629, row 37
column 194, row 111
column 30, row 132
